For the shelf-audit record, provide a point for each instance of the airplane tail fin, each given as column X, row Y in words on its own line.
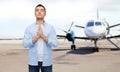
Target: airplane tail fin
column 97, row 14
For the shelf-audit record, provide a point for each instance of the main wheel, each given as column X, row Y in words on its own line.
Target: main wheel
column 96, row 49
column 73, row 47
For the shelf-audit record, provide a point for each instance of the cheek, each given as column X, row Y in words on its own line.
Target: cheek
column 34, row 14
column 44, row 14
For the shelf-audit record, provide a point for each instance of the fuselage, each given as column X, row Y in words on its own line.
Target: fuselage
column 95, row 29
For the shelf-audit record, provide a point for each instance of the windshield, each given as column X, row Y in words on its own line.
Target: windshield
column 98, row 23
column 90, row 24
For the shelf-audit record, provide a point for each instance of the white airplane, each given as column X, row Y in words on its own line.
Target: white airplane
column 94, row 30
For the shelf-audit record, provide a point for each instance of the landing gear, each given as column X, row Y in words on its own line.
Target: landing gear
column 96, row 48
column 73, row 47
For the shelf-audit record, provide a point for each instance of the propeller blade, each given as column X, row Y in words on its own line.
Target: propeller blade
column 65, row 31
column 70, row 26
column 114, row 25
column 112, row 43
column 79, row 26
column 107, row 27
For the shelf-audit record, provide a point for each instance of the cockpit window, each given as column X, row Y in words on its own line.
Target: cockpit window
column 98, row 23
column 90, row 24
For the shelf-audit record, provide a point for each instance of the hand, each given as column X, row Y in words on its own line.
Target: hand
column 39, row 35
column 40, row 32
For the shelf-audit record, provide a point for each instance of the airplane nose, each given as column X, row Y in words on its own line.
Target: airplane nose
column 95, row 32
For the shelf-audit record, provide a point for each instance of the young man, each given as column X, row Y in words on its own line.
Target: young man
column 39, row 39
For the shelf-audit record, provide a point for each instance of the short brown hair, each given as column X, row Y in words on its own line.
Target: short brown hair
column 40, row 5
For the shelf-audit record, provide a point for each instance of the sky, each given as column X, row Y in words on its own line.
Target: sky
column 16, row 15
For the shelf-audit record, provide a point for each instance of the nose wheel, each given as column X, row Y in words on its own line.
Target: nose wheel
column 73, row 47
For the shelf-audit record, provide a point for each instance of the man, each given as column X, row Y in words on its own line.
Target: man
column 39, row 39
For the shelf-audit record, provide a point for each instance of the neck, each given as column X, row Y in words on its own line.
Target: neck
column 39, row 21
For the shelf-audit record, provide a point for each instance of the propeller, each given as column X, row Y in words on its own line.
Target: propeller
column 67, row 32
column 68, row 29
column 107, row 27
column 70, row 36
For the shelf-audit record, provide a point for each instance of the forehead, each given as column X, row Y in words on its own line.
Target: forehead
column 39, row 7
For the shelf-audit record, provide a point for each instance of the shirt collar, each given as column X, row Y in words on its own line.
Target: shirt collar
column 42, row 24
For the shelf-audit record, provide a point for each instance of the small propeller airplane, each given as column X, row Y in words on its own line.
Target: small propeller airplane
column 94, row 30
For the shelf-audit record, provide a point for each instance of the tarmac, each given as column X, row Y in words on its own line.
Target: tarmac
column 13, row 57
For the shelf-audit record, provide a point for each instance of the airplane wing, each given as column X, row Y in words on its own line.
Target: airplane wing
column 61, row 36
column 85, row 38
column 79, row 26
column 116, row 36
column 114, row 25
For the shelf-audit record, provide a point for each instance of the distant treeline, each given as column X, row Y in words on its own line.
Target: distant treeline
column 22, row 38
column 12, row 39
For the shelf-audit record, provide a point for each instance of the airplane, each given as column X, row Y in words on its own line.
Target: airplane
column 94, row 30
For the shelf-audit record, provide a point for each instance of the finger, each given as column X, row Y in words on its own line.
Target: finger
column 40, row 28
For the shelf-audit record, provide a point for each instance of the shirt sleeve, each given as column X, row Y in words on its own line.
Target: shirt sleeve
column 52, row 39
column 27, row 40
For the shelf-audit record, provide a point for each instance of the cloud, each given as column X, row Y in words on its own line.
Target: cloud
column 20, row 13
column 105, row 5
column 108, row 5
column 16, row 8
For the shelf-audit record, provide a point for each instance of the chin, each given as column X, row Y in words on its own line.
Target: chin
column 40, row 18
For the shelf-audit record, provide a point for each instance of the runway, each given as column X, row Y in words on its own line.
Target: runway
column 13, row 57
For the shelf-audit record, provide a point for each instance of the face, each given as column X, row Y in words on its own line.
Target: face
column 40, row 12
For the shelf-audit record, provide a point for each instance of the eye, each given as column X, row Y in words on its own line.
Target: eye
column 42, row 10
column 37, row 9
